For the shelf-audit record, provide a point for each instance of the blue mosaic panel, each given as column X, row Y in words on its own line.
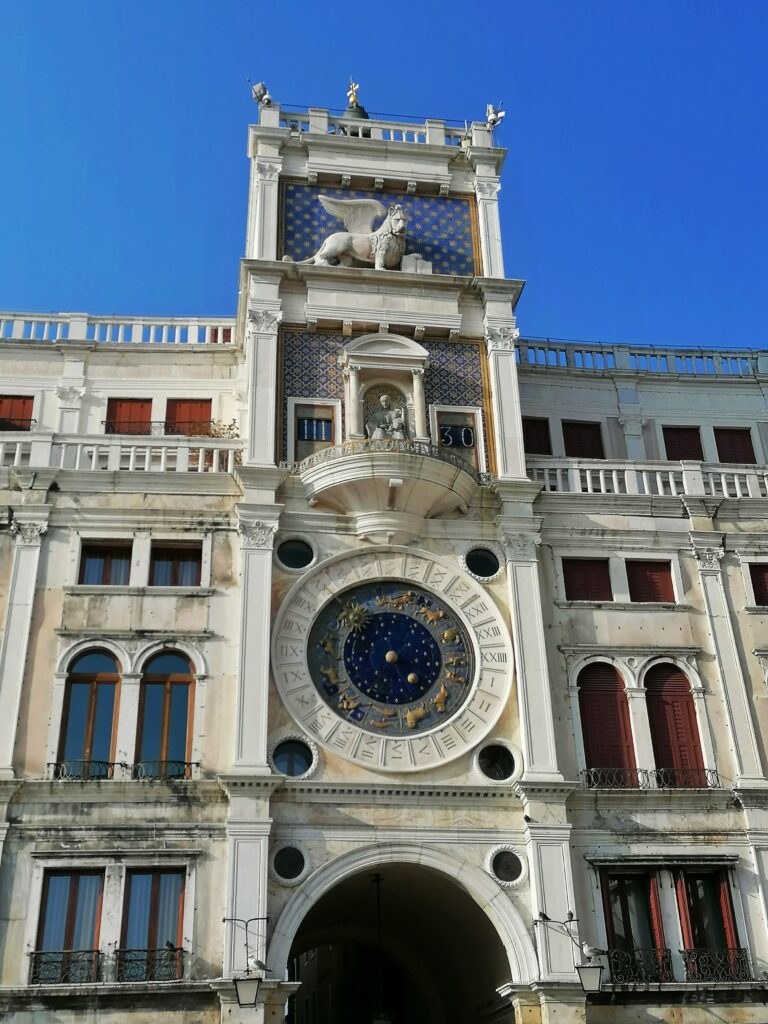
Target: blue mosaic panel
column 439, row 227
column 455, row 375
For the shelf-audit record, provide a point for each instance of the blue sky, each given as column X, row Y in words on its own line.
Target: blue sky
column 634, row 197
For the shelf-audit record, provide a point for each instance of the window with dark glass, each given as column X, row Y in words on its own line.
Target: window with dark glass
column 608, row 745
column 650, row 581
column 636, row 951
column 151, row 948
column 587, row 579
column 758, row 571
column 105, row 564
column 15, row 412
column 174, row 565
column 314, row 429
column 68, row 934
column 87, row 738
column 536, row 438
column 188, row 416
column 711, row 950
column 683, row 443
column 128, row 416
column 734, row 445
column 674, row 729
column 583, row 440
column 165, row 718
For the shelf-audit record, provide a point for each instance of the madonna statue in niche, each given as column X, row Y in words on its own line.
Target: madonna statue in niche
column 387, row 424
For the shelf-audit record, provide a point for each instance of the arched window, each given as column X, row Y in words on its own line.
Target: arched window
column 608, row 745
column 88, row 725
column 164, row 740
column 674, row 730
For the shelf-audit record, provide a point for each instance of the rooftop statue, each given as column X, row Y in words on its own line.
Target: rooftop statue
column 383, row 247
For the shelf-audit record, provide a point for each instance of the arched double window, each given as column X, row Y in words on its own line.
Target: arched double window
column 674, row 729
column 86, row 748
column 163, row 743
column 608, row 746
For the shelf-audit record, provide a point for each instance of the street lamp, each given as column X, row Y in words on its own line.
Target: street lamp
column 590, row 974
column 247, row 985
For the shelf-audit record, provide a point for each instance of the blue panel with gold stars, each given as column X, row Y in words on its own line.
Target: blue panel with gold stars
column 439, row 227
column 390, row 657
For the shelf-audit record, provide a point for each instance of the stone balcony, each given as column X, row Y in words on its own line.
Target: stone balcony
column 60, row 328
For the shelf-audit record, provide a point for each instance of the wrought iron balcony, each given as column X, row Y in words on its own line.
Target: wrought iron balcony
column 80, row 771
column 64, row 966
column 650, row 778
column 640, row 965
column 685, row 778
column 165, row 964
column 711, row 965
column 150, row 770
column 615, row 778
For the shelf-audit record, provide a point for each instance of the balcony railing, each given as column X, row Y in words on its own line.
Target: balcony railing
column 650, row 778
column 64, row 966
column 549, row 353
column 161, row 428
column 640, row 965
column 16, row 423
column 150, row 770
column 165, row 964
column 713, row 965
column 159, row 455
column 81, row 771
column 116, row 330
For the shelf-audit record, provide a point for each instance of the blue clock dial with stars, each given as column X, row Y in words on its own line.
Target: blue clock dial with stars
column 391, row 657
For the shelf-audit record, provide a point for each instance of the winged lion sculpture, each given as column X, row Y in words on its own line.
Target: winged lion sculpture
column 383, row 247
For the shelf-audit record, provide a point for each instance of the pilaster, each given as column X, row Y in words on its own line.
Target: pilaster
column 487, row 191
column 507, row 422
column 261, row 369
column 261, row 241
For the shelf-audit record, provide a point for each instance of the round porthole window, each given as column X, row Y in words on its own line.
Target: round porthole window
column 496, row 762
column 507, row 866
column 295, row 553
column 482, row 562
column 288, row 863
column 292, row 757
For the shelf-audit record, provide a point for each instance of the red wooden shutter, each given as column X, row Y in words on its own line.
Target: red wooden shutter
column 587, row 579
column 650, row 581
column 605, row 718
column 734, row 444
column 15, row 412
column 683, row 910
column 674, row 729
column 759, row 573
column 726, row 908
column 129, row 416
column 536, row 439
column 188, row 416
column 583, row 440
column 657, row 925
column 683, row 443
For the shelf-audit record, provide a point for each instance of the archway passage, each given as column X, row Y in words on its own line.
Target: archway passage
column 436, row 958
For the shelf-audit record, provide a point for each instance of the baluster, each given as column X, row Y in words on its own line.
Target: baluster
column 724, row 485
column 163, row 458
column 17, row 454
column 231, row 460
column 216, row 457
column 148, row 458
column 95, row 457
column 79, row 457
column 200, row 460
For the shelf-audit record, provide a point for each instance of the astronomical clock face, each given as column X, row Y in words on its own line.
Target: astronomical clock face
column 393, row 660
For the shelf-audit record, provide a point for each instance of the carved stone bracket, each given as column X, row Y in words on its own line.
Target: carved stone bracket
column 28, row 533
column 444, row 188
column 501, row 339
column 378, row 184
column 411, row 187
column 264, row 321
column 257, row 535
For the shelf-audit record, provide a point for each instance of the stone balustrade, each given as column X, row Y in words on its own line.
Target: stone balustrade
column 116, row 330
column 431, row 132
column 548, row 353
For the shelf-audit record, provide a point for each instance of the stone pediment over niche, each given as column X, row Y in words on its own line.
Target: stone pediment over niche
column 379, row 351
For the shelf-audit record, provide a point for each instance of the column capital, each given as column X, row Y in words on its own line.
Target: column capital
column 487, row 189
column 501, row 338
column 264, row 321
column 708, row 554
column 28, row 532
column 522, row 547
column 256, row 534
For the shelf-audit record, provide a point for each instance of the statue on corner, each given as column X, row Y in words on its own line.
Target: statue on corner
column 387, row 424
column 383, row 247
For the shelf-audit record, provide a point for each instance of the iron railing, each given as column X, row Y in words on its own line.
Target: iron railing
column 64, row 966
column 650, row 778
column 16, row 423
column 640, row 965
column 148, row 770
column 79, row 771
column 165, row 964
column 710, row 965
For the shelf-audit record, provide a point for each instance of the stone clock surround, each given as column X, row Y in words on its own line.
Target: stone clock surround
column 472, row 605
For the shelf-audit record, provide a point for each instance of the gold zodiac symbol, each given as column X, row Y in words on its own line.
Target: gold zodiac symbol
column 331, row 675
column 430, row 616
column 399, row 602
column 450, row 636
column 440, row 698
column 415, row 715
column 455, row 661
column 328, row 644
column 454, row 676
column 382, row 723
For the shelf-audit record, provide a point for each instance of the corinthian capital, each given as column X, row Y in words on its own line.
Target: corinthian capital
column 264, row 321
column 256, row 534
column 501, row 339
column 28, row 533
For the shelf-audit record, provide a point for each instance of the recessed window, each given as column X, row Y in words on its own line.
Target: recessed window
column 587, row 579
column 189, row 416
column 608, row 745
column 175, row 566
column 496, row 762
column 128, row 416
column 482, row 562
column 152, row 926
column 583, row 440
column 165, row 718
column 295, row 553
column 15, row 412
column 734, row 445
column 457, row 434
column 289, row 862
column 88, row 722
column 507, row 866
column 292, row 757
column 314, row 428
column 68, row 935
column 683, row 443
column 536, row 438
column 650, row 581
column 105, row 565
column 759, row 573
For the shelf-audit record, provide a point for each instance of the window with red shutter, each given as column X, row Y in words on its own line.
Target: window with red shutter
column 759, row 573
column 734, row 444
column 128, row 416
column 650, row 581
column 587, row 579
column 188, row 416
column 583, row 440
column 683, row 443
column 536, row 439
column 15, row 412
column 674, row 729
column 608, row 745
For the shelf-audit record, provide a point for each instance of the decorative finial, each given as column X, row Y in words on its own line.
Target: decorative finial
column 493, row 116
column 352, row 92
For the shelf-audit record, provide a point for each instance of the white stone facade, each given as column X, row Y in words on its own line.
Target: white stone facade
column 491, row 878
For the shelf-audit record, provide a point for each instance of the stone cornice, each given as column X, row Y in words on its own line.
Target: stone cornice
column 406, row 793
